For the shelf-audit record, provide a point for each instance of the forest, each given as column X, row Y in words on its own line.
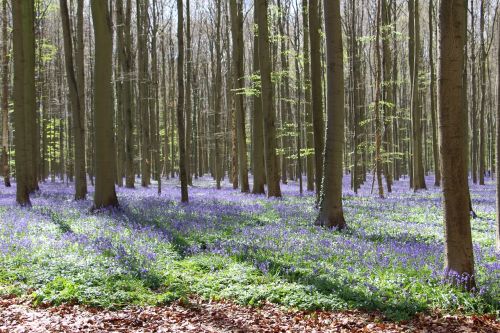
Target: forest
column 250, row 166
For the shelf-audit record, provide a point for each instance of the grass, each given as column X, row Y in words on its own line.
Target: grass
column 227, row 245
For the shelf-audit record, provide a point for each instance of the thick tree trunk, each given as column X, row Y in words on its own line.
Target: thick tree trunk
column 459, row 258
column 331, row 213
column 77, row 109
column 18, row 18
column 105, row 195
column 271, row 160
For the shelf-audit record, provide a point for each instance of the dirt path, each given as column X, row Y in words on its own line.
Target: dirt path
column 18, row 316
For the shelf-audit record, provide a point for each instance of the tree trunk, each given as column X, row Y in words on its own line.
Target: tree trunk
column 189, row 104
column 459, row 259
column 19, row 32
column 236, row 8
column 497, row 146
column 482, row 111
column 331, row 213
column 416, row 107
column 5, row 97
column 180, row 104
column 143, row 109
column 78, row 115
column 435, row 149
column 316, row 91
column 307, row 98
column 378, row 93
column 105, row 195
column 271, row 161
column 259, row 175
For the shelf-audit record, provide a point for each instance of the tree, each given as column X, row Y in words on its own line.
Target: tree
column 22, row 21
column 126, row 65
column 316, row 91
column 271, row 161
column 432, row 91
column 416, row 109
column 5, row 97
column 459, row 259
column 180, row 104
column 307, row 97
column 331, row 213
column 105, row 194
column 78, row 113
column 143, row 106
column 258, row 169
column 497, row 141
column 378, row 93
column 236, row 9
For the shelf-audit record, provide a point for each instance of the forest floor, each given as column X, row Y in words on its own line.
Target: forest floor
column 219, row 317
column 242, row 260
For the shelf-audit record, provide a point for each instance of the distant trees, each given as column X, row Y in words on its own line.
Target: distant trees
column 459, row 260
column 331, row 213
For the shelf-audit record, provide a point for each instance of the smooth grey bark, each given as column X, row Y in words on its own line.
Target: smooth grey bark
column 105, row 194
column 331, row 212
column 271, row 160
column 77, row 109
column 459, row 259
column 180, row 104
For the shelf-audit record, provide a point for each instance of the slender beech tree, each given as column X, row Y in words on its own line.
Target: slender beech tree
column 259, row 174
column 180, row 103
column 432, row 91
column 331, row 213
column 307, row 98
column 126, row 64
column 416, row 107
column 316, row 90
column 105, row 194
column 78, row 113
column 497, row 144
column 21, row 23
column 378, row 94
column 143, row 105
column 271, row 160
column 189, row 104
column 5, row 96
column 236, row 9
column 459, row 259
column 482, row 106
